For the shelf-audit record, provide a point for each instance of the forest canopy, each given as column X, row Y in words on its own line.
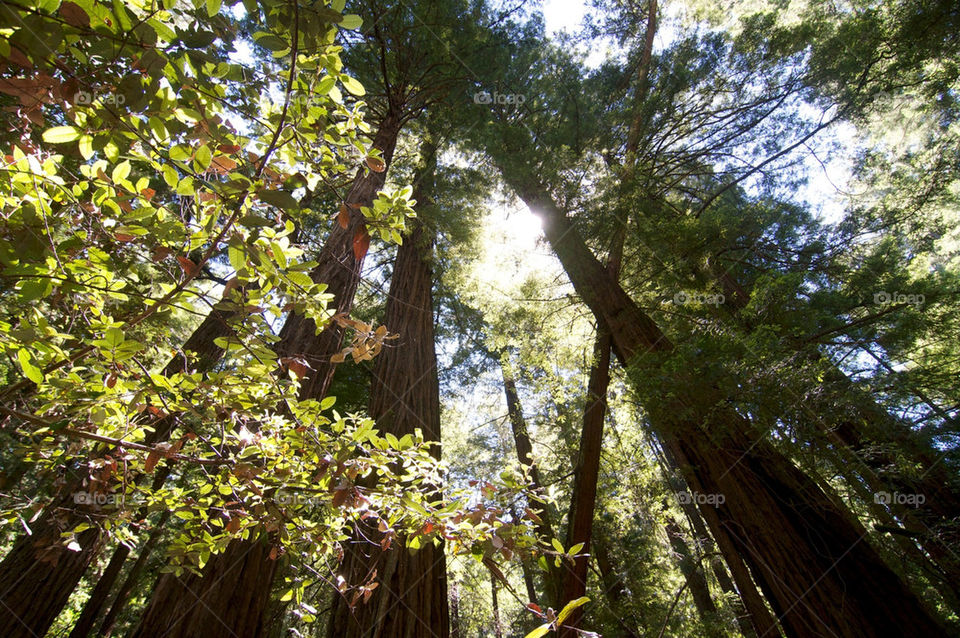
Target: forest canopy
column 463, row 318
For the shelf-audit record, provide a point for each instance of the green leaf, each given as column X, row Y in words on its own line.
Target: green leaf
column 213, row 7
column 542, row 630
column 33, row 289
column 557, row 545
column 163, row 31
column 352, row 85
column 280, row 199
column 570, row 607
column 60, row 134
column 86, row 146
column 238, row 257
column 575, row 549
column 351, row 21
column 203, row 157
column 31, row 371
column 327, row 402
column 271, row 41
column 170, row 176
column 121, row 171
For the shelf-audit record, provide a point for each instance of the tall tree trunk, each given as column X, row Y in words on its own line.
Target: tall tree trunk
column 455, row 612
column 695, row 578
column 524, row 447
column 877, row 439
column 227, row 599
column 738, row 599
column 411, row 601
column 613, row 586
column 586, row 474
column 497, row 627
column 246, row 564
column 805, row 549
column 133, row 578
column 339, row 268
column 38, row 567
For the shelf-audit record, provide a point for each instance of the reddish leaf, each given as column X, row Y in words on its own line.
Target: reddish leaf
column 228, row 148
column 189, row 268
column 535, row 608
column 152, row 459
column 361, row 242
column 343, row 217
column 73, row 15
column 148, row 193
column 273, row 553
column 233, row 525
column 111, row 380
column 123, row 237
column 69, row 89
column 376, row 164
column 221, row 164
column 339, row 496
column 296, row 365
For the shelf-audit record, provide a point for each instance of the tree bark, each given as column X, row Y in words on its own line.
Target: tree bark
column 695, row 578
column 524, row 447
column 497, row 627
column 227, row 599
column 744, row 612
column 805, row 549
column 339, row 268
column 38, row 567
column 613, row 586
column 245, row 561
column 133, row 577
column 411, row 601
column 586, row 474
column 869, row 431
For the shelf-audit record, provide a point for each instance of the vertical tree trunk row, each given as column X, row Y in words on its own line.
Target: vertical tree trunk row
column 804, row 548
column 340, row 269
column 411, row 599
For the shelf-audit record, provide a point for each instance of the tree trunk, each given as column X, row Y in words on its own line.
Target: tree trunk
column 878, row 439
column 101, row 591
column 524, row 447
column 245, row 561
column 339, row 268
column 613, row 587
column 586, row 475
column 695, row 578
column 411, row 601
column 743, row 616
column 38, row 567
column 227, row 599
column 497, row 627
column 133, row 577
column 805, row 549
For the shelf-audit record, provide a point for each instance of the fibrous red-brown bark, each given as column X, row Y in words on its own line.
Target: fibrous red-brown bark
column 38, row 574
column 339, row 268
column 411, row 600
